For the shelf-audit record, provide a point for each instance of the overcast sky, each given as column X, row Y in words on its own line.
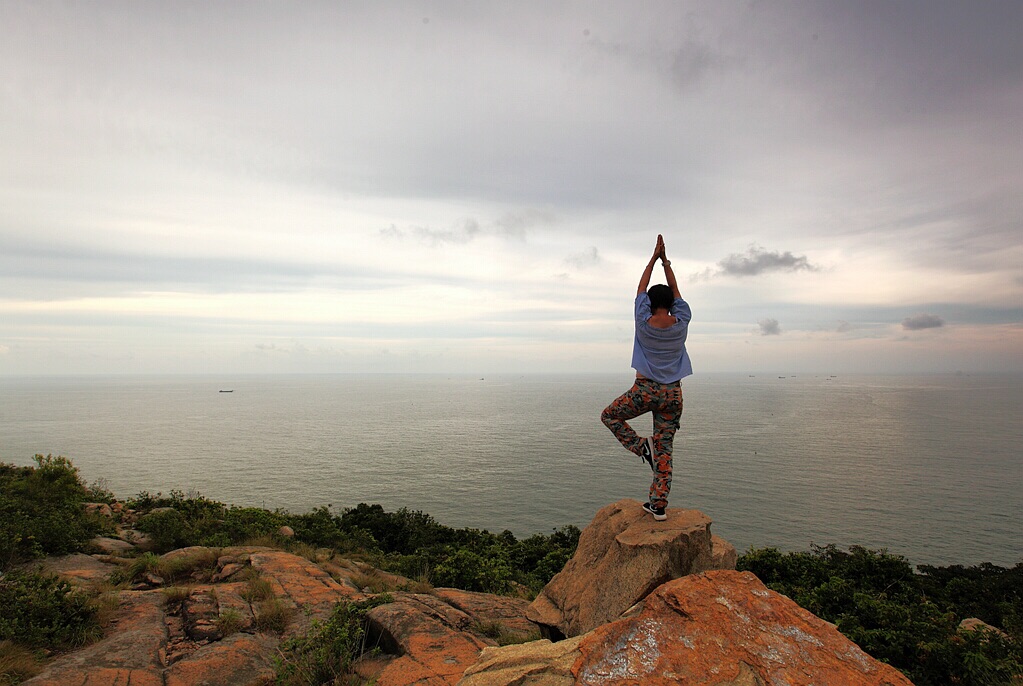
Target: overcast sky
column 227, row 187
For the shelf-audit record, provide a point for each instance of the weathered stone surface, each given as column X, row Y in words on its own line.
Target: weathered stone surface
column 81, row 570
column 540, row 663
column 301, row 585
column 622, row 556
column 975, row 624
column 189, row 553
column 227, row 570
column 354, row 574
column 130, row 653
column 136, row 538
column 722, row 556
column 725, row 627
column 286, row 532
column 238, row 660
column 484, row 609
column 101, row 509
column 722, row 627
column 429, row 636
column 110, row 546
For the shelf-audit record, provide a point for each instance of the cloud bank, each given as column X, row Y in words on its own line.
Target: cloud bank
column 922, row 321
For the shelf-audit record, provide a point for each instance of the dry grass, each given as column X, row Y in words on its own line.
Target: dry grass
column 175, row 595
column 201, row 563
column 257, row 589
column 107, row 600
column 229, row 622
column 311, row 553
column 372, row 582
column 16, row 664
column 264, row 541
column 273, row 616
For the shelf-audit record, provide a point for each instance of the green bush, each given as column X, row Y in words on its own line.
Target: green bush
column 907, row 619
column 324, row 655
column 41, row 510
column 41, row 611
column 488, row 570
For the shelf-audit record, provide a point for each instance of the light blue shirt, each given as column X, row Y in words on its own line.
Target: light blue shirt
column 660, row 354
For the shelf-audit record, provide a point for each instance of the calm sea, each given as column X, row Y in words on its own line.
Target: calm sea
column 927, row 467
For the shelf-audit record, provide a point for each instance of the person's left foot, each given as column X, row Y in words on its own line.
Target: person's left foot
column 646, row 451
column 656, row 511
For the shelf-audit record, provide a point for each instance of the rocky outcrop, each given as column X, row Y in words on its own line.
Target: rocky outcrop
column 643, row 602
column 720, row 627
column 130, row 654
column 208, row 631
column 85, row 571
column 434, row 637
column 155, row 640
column 431, row 638
column 622, row 556
column 539, row 663
column 491, row 613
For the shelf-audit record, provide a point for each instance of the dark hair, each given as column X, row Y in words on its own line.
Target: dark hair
column 661, row 297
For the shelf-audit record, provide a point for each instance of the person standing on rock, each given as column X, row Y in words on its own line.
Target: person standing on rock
column 660, row 359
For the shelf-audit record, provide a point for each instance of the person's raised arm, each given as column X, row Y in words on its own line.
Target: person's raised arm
column 668, row 273
column 644, row 280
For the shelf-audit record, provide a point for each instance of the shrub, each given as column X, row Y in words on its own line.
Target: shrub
column 324, row 655
column 41, row 510
column 907, row 619
column 488, row 571
column 43, row 611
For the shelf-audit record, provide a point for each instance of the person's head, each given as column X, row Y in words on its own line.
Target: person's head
column 661, row 297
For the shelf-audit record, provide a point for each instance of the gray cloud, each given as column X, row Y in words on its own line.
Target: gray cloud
column 756, row 261
column 513, row 225
column 463, row 232
column 587, row 258
column 684, row 66
column 769, row 327
column 517, row 223
column 922, row 321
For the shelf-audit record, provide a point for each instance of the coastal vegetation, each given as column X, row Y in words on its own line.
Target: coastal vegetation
column 908, row 618
column 903, row 615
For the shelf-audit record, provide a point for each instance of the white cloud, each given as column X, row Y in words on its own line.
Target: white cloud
column 314, row 176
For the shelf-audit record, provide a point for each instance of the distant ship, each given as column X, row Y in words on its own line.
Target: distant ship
column 230, row 391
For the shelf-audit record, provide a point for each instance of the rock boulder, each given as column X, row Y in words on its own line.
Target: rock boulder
column 721, row 627
column 622, row 556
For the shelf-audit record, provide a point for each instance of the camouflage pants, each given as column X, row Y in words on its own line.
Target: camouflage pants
column 665, row 402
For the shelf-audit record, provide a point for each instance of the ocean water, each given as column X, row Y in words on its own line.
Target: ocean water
column 927, row 467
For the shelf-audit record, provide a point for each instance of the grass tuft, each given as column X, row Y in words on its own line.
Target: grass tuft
column 175, row 595
column 257, row 589
column 273, row 616
column 229, row 622
column 17, row 663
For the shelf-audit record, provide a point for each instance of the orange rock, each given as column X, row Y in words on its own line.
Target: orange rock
column 622, row 556
column 725, row 627
column 81, row 570
column 238, row 660
column 430, row 637
column 130, row 653
column 301, row 584
column 484, row 608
